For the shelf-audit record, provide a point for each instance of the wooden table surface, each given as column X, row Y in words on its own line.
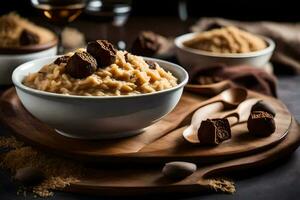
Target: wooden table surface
column 279, row 181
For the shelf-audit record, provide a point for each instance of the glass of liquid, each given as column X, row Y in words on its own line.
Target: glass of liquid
column 59, row 13
column 114, row 12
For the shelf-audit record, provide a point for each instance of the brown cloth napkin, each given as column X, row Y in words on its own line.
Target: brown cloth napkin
column 286, row 58
column 243, row 76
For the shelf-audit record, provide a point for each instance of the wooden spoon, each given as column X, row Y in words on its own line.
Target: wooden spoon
column 238, row 115
column 241, row 113
column 229, row 98
column 209, row 89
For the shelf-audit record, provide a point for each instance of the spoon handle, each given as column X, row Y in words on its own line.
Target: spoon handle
column 233, row 120
column 241, row 113
column 204, row 112
column 209, row 89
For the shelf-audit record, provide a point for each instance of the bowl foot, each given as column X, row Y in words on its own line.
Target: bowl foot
column 100, row 136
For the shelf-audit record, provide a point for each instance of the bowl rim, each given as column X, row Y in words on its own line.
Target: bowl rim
column 23, row 50
column 182, row 38
column 20, row 85
column 28, row 55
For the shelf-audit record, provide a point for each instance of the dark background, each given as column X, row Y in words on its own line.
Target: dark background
column 280, row 181
column 283, row 10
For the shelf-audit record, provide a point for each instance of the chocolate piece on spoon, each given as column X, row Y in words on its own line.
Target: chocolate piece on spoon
column 103, row 51
column 261, row 123
column 263, row 106
column 227, row 99
column 29, row 176
column 178, row 170
column 214, row 131
column 81, row 65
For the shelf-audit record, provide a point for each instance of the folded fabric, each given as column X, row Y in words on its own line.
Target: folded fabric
column 244, row 76
column 286, row 58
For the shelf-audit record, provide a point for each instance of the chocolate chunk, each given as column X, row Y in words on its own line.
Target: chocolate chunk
column 61, row 59
column 81, row 65
column 28, row 38
column 261, row 123
column 146, row 44
column 263, row 106
column 103, row 51
column 178, row 170
column 151, row 64
column 214, row 131
column 29, row 176
column 126, row 57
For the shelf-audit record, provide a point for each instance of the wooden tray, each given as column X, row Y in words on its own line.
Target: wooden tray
column 145, row 181
column 161, row 142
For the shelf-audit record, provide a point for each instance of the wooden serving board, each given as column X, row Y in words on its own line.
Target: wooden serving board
column 160, row 142
column 145, row 181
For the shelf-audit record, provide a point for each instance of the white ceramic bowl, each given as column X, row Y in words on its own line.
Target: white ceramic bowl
column 189, row 57
column 96, row 117
column 8, row 62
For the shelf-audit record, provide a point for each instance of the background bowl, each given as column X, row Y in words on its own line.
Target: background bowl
column 10, row 59
column 94, row 117
column 192, row 57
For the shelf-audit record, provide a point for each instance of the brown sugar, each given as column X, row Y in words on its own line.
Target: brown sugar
column 10, row 142
column 12, row 26
column 226, row 40
column 59, row 172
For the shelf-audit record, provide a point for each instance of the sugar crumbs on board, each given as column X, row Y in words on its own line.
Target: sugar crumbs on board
column 58, row 172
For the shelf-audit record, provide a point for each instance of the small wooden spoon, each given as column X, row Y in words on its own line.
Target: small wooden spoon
column 209, row 89
column 229, row 98
column 238, row 115
column 241, row 113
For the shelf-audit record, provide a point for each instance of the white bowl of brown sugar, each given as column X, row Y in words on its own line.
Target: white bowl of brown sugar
column 228, row 45
column 110, row 101
column 20, row 42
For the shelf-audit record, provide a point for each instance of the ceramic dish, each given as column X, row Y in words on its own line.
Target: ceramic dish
column 193, row 57
column 10, row 58
column 98, row 117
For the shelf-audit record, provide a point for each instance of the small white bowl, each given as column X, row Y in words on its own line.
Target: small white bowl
column 98, row 117
column 8, row 62
column 189, row 57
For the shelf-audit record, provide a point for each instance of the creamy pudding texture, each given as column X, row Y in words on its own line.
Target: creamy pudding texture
column 226, row 40
column 128, row 75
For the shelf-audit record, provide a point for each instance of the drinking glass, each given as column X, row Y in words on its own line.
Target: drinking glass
column 115, row 12
column 59, row 13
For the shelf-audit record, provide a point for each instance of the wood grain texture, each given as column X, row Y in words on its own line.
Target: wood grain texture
column 146, row 181
column 241, row 152
column 160, row 142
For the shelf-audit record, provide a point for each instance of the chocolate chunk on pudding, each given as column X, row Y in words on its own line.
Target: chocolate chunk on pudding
column 62, row 59
column 214, row 131
column 103, row 51
column 151, row 64
column 261, row 123
column 81, row 65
